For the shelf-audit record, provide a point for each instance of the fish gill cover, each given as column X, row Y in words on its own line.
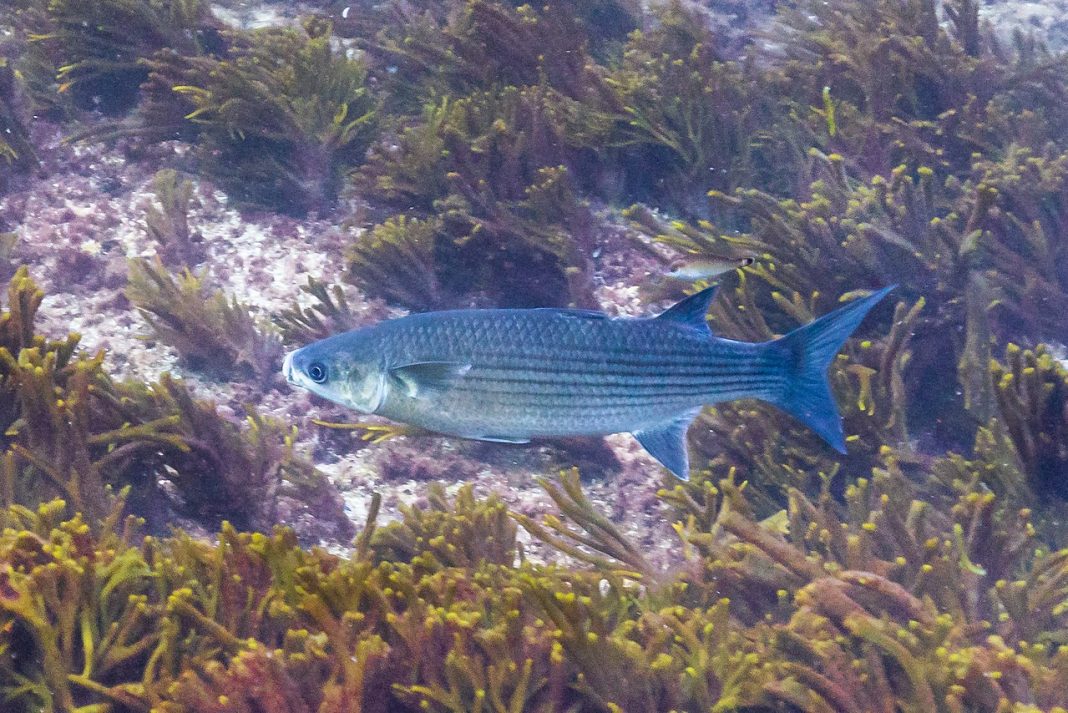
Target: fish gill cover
column 484, row 153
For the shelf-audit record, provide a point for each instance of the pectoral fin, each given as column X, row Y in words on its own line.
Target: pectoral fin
column 667, row 443
column 422, row 380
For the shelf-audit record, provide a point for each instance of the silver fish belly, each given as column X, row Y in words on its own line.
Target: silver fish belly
column 512, row 375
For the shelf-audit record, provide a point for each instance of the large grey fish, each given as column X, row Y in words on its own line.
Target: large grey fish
column 514, row 374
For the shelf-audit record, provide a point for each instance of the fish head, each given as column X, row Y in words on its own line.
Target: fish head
column 334, row 370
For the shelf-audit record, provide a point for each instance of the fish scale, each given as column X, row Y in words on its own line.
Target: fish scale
column 520, row 374
column 517, row 374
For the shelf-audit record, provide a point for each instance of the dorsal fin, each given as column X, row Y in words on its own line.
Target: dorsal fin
column 691, row 310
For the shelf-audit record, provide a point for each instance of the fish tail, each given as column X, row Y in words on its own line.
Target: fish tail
column 809, row 351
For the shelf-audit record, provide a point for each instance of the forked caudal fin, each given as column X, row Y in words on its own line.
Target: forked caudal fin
column 809, row 351
column 806, row 351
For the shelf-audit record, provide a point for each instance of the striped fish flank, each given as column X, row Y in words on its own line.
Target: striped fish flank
column 512, row 375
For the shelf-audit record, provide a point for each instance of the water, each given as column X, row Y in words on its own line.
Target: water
column 198, row 189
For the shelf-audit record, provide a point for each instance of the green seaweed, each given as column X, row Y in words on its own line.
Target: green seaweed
column 331, row 314
column 168, row 225
column 100, row 47
column 8, row 241
column 1032, row 397
column 425, row 52
column 463, row 533
column 17, row 154
column 686, row 120
column 70, row 431
column 221, row 470
column 397, row 261
column 879, row 599
column 209, row 331
column 909, row 88
column 282, row 118
column 510, row 221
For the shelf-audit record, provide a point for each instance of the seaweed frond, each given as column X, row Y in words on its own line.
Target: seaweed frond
column 282, row 118
column 426, row 52
column 396, row 260
column 8, row 241
column 330, row 314
column 685, row 120
column 218, row 470
column 599, row 543
column 1032, row 397
column 463, row 533
column 168, row 225
column 208, row 330
column 100, row 46
column 17, row 153
column 496, row 165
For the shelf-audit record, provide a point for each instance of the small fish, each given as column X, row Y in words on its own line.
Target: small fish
column 704, row 268
column 510, row 375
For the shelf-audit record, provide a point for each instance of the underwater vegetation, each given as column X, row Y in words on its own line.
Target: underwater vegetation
column 16, row 150
column 99, row 48
column 848, row 145
column 281, row 118
column 210, row 331
column 1030, row 388
column 330, row 314
column 489, row 172
column 880, row 602
column 168, row 224
column 71, row 431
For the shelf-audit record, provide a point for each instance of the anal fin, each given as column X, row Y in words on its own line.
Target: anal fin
column 667, row 443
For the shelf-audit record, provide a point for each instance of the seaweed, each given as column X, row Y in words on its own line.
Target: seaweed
column 17, row 154
column 54, row 440
column 282, row 118
column 168, row 225
column 8, row 241
column 215, row 470
column 331, row 314
column 1032, row 397
column 70, row 431
column 396, row 260
column 100, row 47
column 17, row 334
column 511, row 222
column 897, row 605
column 440, row 535
column 208, row 330
column 600, row 543
column 423, row 53
column 873, row 597
column 908, row 88
column 686, row 120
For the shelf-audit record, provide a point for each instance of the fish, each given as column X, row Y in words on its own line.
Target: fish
column 510, row 375
column 705, row 268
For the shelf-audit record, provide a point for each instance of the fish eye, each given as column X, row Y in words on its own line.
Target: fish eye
column 316, row 372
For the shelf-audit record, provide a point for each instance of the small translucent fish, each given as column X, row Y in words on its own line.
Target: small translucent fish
column 705, row 268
